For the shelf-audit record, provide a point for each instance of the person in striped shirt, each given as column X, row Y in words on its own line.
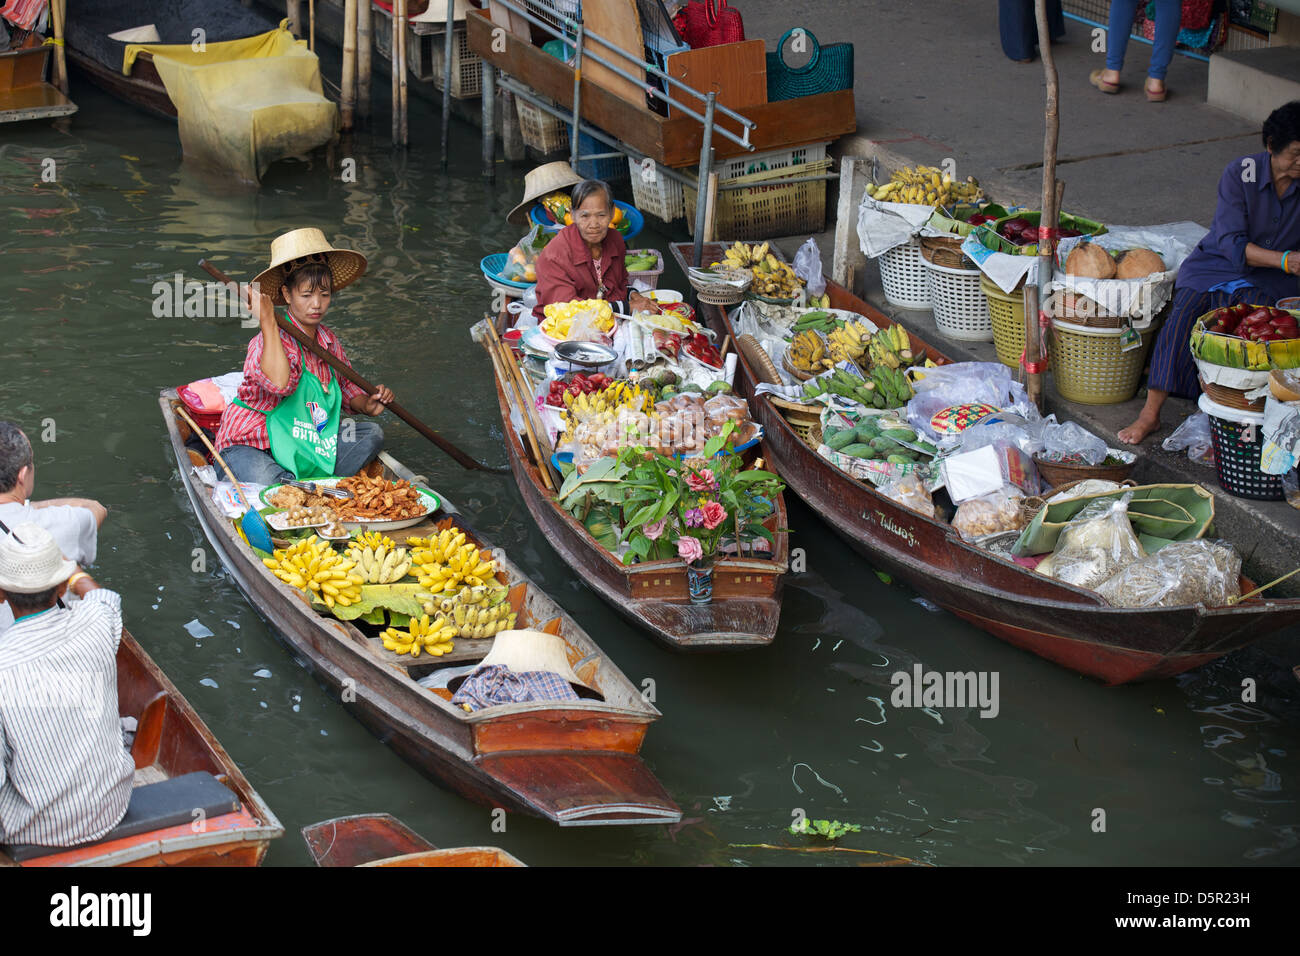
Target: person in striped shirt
column 286, row 422
column 65, row 776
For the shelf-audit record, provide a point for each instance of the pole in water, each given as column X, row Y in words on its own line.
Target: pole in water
column 446, row 80
column 577, row 96
column 489, row 86
column 701, row 188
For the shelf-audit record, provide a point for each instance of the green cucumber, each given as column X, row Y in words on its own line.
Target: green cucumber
column 857, row 450
column 840, row 439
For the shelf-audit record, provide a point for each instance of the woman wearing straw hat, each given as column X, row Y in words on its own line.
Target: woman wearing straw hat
column 285, row 422
column 584, row 260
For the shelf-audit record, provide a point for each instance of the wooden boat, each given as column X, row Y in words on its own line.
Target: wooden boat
column 378, row 839
column 573, row 762
column 1070, row 626
column 653, row 594
column 171, row 741
column 24, row 94
column 239, row 109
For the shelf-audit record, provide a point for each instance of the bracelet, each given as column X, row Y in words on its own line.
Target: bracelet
column 75, row 578
column 1284, row 255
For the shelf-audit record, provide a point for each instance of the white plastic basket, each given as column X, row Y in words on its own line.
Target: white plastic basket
column 903, row 276
column 658, row 195
column 961, row 310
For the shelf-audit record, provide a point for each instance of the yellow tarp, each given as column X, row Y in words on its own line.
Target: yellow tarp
column 242, row 104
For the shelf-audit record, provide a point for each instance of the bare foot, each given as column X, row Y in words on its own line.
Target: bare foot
column 1136, row 433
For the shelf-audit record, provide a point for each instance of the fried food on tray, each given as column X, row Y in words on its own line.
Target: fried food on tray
column 377, row 499
column 287, row 497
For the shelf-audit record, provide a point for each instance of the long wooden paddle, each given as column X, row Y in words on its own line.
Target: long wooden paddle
column 255, row 527
column 462, row 459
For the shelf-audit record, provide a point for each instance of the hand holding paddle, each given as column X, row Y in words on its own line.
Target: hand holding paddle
column 261, row 306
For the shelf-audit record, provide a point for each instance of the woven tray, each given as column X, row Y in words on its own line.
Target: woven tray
column 944, row 251
column 793, row 369
column 1029, row 507
column 759, row 361
column 722, row 293
column 802, row 418
column 1060, row 473
column 1232, row 397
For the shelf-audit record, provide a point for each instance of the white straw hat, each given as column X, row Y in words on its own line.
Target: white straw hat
column 542, row 181
column 526, row 650
column 300, row 247
column 30, row 560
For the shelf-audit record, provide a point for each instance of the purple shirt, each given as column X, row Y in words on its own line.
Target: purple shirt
column 1247, row 212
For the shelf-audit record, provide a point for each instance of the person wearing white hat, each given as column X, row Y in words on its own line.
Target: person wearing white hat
column 74, row 522
column 65, row 777
column 285, row 422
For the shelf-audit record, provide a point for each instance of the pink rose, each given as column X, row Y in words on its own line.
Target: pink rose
column 701, row 480
column 688, row 548
column 653, row 531
column 714, row 514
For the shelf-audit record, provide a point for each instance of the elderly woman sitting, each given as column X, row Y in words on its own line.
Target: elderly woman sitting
column 585, row 260
column 1248, row 256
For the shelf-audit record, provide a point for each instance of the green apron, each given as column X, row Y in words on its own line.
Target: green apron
column 304, row 426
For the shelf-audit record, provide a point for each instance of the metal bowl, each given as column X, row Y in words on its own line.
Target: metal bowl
column 586, row 354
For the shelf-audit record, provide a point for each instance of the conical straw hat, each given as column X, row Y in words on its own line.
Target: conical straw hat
column 540, row 182
column 527, row 650
column 301, row 246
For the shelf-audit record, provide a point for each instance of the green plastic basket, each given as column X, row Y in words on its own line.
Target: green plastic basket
column 1090, row 367
column 1007, row 314
column 988, row 235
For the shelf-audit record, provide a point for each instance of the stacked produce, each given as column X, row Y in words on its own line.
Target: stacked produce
column 589, row 414
column 560, row 316
column 772, row 277
column 380, row 563
column 475, row 612
column 1252, row 337
column 313, row 565
column 925, row 186
column 643, row 260
column 1090, row 260
column 422, row 634
column 882, row 356
column 878, row 439
column 445, row 562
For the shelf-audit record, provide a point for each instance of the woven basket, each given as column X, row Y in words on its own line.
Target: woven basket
column 1089, row 366
column 759, row 361
column 944, row 251
column 829, row 68
column 961, row 310
column 722, row 293
column 904, row 278
column 1007, row 316
column 1059, row 473
column 802, row 418
column 1232, row 397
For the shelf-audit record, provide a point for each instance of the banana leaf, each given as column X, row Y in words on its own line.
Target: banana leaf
column 1160, row 514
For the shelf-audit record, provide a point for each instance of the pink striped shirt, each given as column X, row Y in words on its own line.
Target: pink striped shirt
column 240, row 426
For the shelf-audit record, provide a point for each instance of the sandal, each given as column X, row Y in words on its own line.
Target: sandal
column 1095, row 79
column 1156, row 96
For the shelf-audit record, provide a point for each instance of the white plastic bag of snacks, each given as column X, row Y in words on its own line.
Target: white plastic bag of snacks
column 990, row 514
column 1185, row 572
column 1097, row 544
column 910, row 492
column 1070, row 442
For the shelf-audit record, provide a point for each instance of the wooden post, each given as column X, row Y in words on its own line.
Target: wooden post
column 394, row 63
column 489, row 87
column 399, row 51
column 1048, row 224
column 711, row 208
column 448, row 54
column 293, row 10
column 512, row 139
column 348, row 83
column 365, row 44
column 311, row 32
column 58, row 10
column 574, row 152
column 702, row 184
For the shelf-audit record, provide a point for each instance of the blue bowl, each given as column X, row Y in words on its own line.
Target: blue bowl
column 492, row 267
column 635, row 220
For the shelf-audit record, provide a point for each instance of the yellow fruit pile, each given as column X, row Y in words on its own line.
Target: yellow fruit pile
column 595, row 413
column 382, row 564
column 560, row 315
column 433, row 637
column 807, row 352
column 446, row 562
column 313, row 565
column 849, row 342
column 475, row 612
column 925, row 186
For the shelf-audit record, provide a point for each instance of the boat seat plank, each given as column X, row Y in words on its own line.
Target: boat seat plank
column 154, row 806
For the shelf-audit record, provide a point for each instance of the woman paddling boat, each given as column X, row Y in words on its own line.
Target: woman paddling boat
column 286, row 424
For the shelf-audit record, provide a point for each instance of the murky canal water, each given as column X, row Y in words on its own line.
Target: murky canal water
column 1186, row 773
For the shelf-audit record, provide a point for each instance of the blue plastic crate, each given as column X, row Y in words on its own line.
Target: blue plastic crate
column 609, row 170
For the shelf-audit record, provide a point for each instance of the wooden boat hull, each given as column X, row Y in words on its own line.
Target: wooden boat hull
column 466, row 753
column 143, row 88
column 171, row 739
column 378, row 839
column 1070, row 626
column 746, row 601
column 24, row 94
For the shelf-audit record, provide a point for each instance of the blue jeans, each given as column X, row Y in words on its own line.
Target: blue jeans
column 1122, row 14
column 1019, row 29
column 257, row 466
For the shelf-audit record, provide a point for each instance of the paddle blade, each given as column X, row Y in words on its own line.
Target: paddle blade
column 256, row 531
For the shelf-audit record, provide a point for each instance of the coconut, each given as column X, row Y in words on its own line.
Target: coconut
column 1091, row 261
column 1138, row 264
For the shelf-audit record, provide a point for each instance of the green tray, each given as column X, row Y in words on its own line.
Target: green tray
column 1159, row 514
column 990, row 238
column 964, row 210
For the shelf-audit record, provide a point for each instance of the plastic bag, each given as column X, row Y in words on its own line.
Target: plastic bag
column 1070, row 442
column 521, row 262
column 1097, row 544
column 1194, row 435
column 1185, row 572
column 808, row 266
column 910, row 492
column 949, row 398
column 973, row 474
column 989, row 514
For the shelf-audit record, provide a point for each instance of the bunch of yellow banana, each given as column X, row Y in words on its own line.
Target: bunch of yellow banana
column 925, row 186
column 820, row 302
column 808, row 353
column 621, row 394
column 373, row 539
column 742, row 255
column 775, row 279
column 382, row 564
column 848, row 342
column 890, row 348
column 445, row 562
column 313, row 565
column 476, row 612
column 560, row 315
column 433, row 636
